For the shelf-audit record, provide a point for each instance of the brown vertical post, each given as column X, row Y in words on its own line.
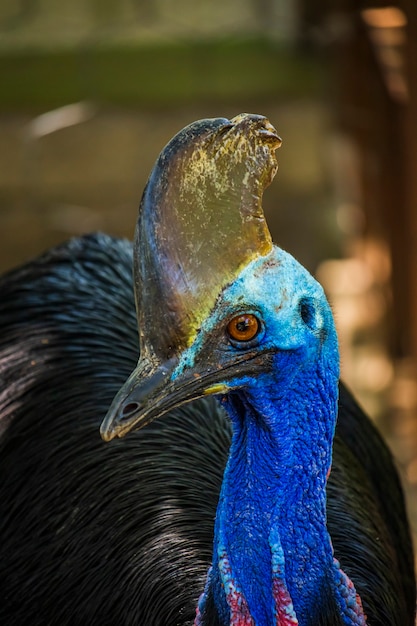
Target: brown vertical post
column 373, row 119
column 410, row 164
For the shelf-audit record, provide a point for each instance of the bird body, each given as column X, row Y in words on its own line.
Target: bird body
column 124, row 532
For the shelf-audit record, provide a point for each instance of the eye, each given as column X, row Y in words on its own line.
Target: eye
column 243, row 327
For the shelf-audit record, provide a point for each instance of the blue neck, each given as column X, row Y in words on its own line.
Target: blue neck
column 270, row 531
column 275, row 487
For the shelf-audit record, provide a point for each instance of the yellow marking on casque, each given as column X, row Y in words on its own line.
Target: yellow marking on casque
column 206, row 304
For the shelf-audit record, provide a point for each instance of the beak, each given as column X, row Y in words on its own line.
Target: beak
column 151, row 391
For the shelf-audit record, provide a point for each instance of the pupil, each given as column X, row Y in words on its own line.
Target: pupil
column 242, row 326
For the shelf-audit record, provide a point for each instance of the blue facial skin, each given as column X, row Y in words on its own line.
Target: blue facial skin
column 272, row 505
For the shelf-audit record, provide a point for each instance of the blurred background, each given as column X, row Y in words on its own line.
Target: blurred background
column 91, row 90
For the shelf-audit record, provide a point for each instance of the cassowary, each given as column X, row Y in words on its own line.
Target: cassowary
column 252, row 508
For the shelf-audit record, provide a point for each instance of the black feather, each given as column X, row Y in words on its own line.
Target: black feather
column 121, row 533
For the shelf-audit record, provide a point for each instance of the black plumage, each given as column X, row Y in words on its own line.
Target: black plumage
column 121, row 533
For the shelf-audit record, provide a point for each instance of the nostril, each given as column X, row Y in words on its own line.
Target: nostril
column 130, row 408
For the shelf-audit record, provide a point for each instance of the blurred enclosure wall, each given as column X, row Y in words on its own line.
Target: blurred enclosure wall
column 91, row 90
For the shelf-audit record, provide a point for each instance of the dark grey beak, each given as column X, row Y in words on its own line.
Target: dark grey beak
column 150, row 392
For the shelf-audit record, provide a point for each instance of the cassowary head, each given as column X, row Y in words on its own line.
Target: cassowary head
column 219, row 306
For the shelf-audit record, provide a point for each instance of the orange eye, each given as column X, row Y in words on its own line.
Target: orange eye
column 243, row 327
